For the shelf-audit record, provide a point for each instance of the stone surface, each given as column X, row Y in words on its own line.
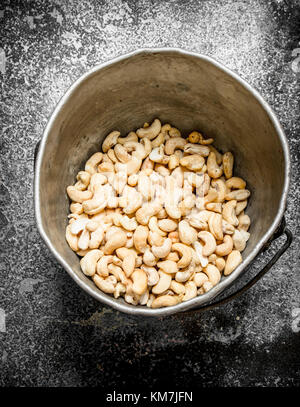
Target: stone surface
column 51, row 332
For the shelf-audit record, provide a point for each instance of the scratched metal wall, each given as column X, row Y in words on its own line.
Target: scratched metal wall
column 51, row 332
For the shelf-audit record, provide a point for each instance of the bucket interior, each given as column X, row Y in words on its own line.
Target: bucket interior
column 188, row 92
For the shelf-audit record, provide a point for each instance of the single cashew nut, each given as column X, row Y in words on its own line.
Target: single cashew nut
column 215, row 225
column 140, row 281
column 71, row 239
column 119, row 290
column 147, row 210
column 128, row 258
column 163, row 250
column 228, row 161
column 200, row 278
column 187, row 234
column 240, row 206
column 150, row 132
column 165, row 301
column 121, row 153
column 238, row 195
column 93, row 162
column 185, row 252
column 199, row 252
column 244, row 222
column 130, row 137
column 158, row 140
column 148, row 258
column 240, row 238
column 173, row 144
column 192, row 162
column 152, row 273
column 233, row 260
column 183, row 275
column 83, row 180
column 102, row 265
column 89, row 262
column 167, row 225
column 212, row 273
column 154, row 227
column 140, row 237
column 128, row 223
column 163, row 283
column 168, row 266
column 197, row 149
column 228, row 213
column 117, row 240
column 190, row 291
column 106, row 286
column 213, row 170
column 235, row 183
column 110, row 141
column 78, row 196
column 210, row 242
column 226, row 247
column 221, row 188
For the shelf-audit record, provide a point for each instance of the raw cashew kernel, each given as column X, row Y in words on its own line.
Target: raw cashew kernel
column 228, row 161
column 150, row 132
column 190, row 291
column 71, row 239
column 212, row 273
column 210, row 242
column 168, row 266
column 89, row 262
column 187, row 234
column 177, row 288
column 152, row 274
column 213, row 170
column 121, row 153
column 140, row 281
column 192, row 162
column 228, row 213
column 167, row 225
column 235, row 183
column 165, row 301
column 233, row 260
column 93, row 162
column 110, row 141
column 104, row 285
column 117, row 240
column 78, row 196
column 215, row 225
column 163, row 250
column 148, row 258
column 130, row 137
column 244, row 222
column 240, row 206
column 185, row 252
column 163, row 283
column 83, row 180
column 173, row 144
column 226, row 247
column 238, row 195
column 140, row 237
column 197, row 149
column 200, row 278
column 102, row 265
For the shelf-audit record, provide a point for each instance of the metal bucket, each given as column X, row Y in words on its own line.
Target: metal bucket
column 192, row 92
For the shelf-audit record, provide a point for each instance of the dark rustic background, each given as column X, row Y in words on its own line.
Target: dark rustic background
column 51, row 332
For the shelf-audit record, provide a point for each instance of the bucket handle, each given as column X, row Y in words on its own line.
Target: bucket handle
column 282, row 229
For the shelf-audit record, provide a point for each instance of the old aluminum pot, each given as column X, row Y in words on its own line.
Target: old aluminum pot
column 191, row 91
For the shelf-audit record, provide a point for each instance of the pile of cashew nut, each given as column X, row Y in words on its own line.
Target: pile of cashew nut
column 158, row 218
